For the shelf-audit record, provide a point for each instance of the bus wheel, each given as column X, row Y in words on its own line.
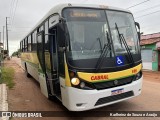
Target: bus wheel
column 52, row 98
column 26, row 72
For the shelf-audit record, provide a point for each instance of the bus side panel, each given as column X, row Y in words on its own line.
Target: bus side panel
column 23, row 64
column 43, row 84
column 64, row 93
column 33, row 71
column 30, row 63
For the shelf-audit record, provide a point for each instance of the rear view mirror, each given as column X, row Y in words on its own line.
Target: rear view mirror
column 139, row 34
column 137, row 24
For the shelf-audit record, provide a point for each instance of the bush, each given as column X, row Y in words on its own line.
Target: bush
column 7, row 76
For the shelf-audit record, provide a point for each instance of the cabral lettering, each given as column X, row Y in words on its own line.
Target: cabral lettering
column 134, row 71
column 99, row 77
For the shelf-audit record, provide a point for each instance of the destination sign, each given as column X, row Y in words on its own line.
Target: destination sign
column 83, row 14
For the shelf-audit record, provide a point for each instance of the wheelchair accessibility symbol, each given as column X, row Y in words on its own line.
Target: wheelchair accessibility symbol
column 119, row 60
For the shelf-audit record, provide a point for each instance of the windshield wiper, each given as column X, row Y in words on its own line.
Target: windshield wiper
column 105, row 50
column 122, row 39
column 100, row 44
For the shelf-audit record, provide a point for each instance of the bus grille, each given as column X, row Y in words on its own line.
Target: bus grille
column 111, row 84
column 114, row 98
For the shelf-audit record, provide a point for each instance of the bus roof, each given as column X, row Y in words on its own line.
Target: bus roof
column 58, row 9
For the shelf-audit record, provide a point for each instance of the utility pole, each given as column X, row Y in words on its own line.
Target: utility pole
column 0, row 37
column 3, row 41
column 7, row 36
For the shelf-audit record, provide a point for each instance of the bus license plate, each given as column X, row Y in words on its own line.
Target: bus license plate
column 116, row 92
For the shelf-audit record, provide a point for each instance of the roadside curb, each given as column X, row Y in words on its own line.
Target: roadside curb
column 3, row 100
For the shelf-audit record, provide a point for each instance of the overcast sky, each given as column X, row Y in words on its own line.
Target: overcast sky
column 24, row 14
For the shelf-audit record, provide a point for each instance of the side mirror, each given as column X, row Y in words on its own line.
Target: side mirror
column 137, row 24
column 139, row 34
column 62, row 20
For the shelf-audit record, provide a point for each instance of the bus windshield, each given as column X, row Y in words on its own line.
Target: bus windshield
column 89, row 31
column 126, row 28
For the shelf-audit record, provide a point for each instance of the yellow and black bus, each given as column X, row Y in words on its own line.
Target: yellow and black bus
column 87, row 56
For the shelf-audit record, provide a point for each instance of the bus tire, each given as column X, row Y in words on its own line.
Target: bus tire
column 51, row 98
column 26, row 72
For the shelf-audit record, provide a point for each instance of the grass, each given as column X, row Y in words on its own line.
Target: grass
column 7, row 76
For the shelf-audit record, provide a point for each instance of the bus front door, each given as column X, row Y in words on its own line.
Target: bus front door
column 51, row 63
column 48, row 59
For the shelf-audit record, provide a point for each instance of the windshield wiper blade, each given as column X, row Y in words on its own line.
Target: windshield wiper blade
column 105, row 50
column 122, row 39
column 102, row 56
column 100, row 44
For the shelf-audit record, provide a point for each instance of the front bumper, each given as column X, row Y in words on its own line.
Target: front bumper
column 80, row 100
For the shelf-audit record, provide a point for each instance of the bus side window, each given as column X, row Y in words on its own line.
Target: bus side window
column 47, row 55
column 52, row 47
column 53, row 21
column 29, row 43
column 54, row 29
column 34, row 43
column 26, row 44
column 22, row 45
column 46, row 36
column 61, row 44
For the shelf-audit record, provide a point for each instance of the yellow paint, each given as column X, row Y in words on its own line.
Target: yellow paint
column 33, row 58
column 30, row 57
column 47, row 61
column 111, row 75
column 67, row 78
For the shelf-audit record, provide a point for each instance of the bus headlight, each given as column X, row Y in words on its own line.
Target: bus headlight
column 75, row 81
column 79, row 83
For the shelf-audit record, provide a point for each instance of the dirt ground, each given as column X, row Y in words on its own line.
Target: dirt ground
column 151, row 76
column 26, row 96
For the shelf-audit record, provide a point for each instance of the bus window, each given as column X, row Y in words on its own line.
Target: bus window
column 33, row 39
column 34, row 42
column 46, row 36
column 26, row 44
column 46, row 48
column 53, row 20
column 29, row 43
column 38, row 29
column 21, row 46
column 42, row 28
